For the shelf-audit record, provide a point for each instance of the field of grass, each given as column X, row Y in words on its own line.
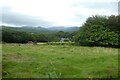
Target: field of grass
column 58, row 61
column 0, row 60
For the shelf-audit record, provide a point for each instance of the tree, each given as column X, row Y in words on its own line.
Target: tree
column 97, row 30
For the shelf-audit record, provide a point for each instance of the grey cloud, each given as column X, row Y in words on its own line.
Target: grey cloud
column 9, row 17
column 78, row 18
column 98, row 5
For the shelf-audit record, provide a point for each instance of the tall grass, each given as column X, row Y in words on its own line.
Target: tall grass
column 59, row 61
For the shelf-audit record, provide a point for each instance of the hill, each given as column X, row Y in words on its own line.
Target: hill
column 65, row 29
column 41, row 30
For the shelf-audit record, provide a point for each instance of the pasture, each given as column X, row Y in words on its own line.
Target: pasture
column 58, row 61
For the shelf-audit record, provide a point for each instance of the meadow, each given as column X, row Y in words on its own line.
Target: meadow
column 58, row 61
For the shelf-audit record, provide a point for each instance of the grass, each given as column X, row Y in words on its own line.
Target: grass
column 58, row 61
column 0, row 61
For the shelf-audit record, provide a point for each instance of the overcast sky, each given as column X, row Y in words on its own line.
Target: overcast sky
column 54, row 12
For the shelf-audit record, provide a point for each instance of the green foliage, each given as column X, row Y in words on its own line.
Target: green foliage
column 69, row 35
column 98, row 30
column 12, row 36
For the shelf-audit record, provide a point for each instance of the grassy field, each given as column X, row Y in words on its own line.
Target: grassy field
column 58, row 61
column 0, row 60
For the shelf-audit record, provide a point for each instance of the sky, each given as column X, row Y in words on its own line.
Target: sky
column 47, row 13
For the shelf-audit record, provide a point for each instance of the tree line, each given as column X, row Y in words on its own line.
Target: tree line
column 12, row 36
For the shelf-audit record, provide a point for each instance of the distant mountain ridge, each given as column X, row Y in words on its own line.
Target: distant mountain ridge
column 42, row 30
column 66, row 29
